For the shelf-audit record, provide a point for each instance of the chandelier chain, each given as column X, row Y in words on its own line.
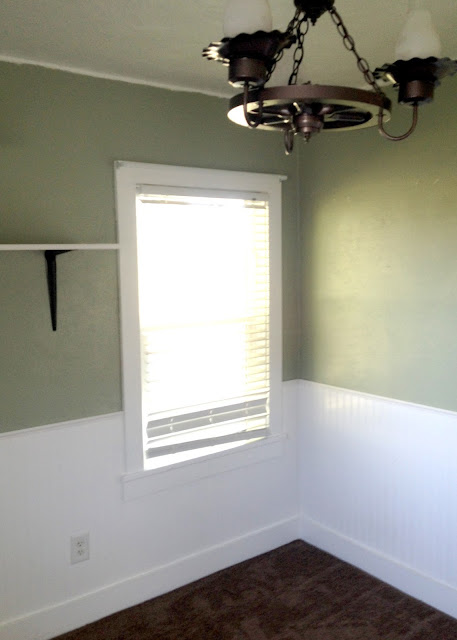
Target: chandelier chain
column 349, row 43
column 277, row 58
column 291, row 27
column 301, row 27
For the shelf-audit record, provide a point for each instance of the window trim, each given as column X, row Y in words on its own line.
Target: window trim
column 128, row 176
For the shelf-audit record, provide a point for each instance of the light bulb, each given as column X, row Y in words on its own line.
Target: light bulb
column 246, row 16
column 418, row 38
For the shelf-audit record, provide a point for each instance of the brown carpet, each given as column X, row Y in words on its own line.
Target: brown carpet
column 293, row 593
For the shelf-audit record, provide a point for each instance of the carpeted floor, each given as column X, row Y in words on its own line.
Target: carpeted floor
column 293, row 593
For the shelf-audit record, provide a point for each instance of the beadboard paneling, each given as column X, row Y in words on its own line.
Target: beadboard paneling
column 65, row 479
column 381, row 476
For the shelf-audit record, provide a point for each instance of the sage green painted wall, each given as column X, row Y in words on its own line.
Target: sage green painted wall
column 379, row 242
column 59, row 137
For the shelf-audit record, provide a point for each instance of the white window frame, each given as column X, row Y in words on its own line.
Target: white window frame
column 128, row 176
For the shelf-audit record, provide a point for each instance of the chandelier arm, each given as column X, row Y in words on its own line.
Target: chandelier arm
column 411, row 130
column 252, row 122
column 289, row 140
column 349, row 43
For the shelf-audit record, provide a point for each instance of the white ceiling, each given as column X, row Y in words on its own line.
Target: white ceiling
column 159, row 42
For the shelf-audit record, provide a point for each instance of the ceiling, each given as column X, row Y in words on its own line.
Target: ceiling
column 159, row 42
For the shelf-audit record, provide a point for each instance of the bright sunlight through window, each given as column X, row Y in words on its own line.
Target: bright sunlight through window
column 203, row 269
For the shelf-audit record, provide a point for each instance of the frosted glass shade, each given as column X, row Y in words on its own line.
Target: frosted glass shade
column 246, row 16
column 418, row 38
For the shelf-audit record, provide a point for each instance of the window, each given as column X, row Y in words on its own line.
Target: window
column 201, row 311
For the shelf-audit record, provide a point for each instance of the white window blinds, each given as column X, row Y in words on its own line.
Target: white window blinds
column 204, row 301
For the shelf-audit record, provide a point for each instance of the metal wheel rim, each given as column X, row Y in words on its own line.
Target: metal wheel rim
column 368, row 102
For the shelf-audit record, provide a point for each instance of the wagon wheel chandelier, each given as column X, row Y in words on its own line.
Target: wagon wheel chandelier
column 252, row 50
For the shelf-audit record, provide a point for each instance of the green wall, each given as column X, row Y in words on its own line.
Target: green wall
column 373, row 306
column 379, row 240
column 59, row 137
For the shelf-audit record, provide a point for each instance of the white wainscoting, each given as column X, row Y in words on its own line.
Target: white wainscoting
column 65, row 479
column 378, row 488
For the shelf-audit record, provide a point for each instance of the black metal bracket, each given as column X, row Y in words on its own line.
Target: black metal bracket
column 51, row 272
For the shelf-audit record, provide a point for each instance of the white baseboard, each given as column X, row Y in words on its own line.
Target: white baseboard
column 65, row 616
column 425, row 588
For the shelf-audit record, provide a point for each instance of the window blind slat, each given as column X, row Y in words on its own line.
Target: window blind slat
column 243, row 436
column 207, row 418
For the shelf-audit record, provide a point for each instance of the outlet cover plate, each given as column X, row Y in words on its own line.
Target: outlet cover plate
column 79, row 548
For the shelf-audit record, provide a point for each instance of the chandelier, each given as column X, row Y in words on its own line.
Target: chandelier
column 251, row 50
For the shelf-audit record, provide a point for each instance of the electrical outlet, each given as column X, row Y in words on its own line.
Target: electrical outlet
column 79, row 548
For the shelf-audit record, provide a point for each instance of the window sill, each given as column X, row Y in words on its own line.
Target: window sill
column 142, row 483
